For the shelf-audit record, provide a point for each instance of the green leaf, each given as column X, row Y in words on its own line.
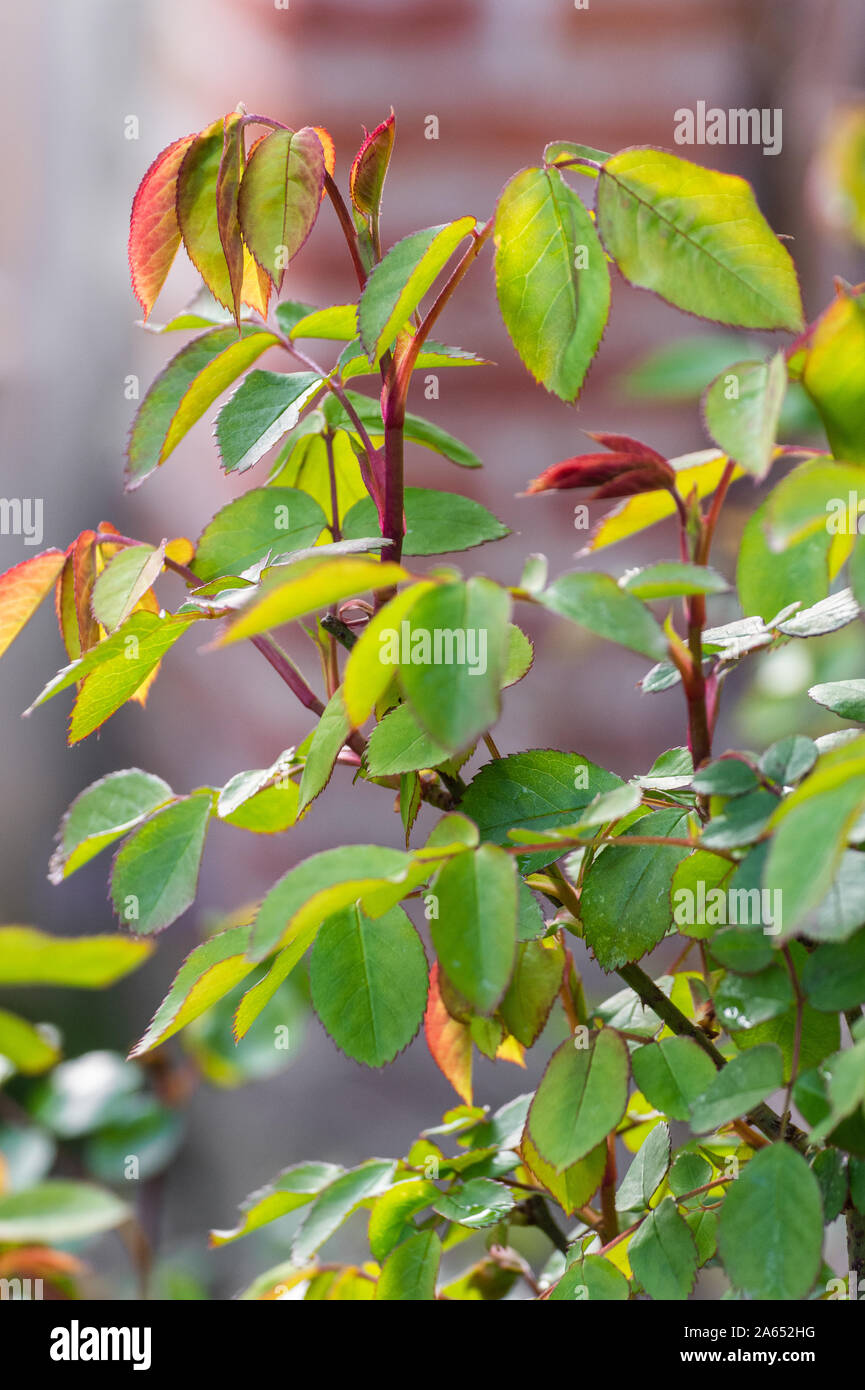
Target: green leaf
column 339, row 322
column 738, row 1086
column 295, row 1187
column 433, row 357
column 112, row 672
column 769, row 581
column 124, row 582
column 744, row 1001
column 208, row 973
column 672, row 1073
column 265, row 406
column 139, row 1125
column 819, row 1036
column 831, row 1174
column 690, row 1170
column 184, row 389
column 844, row 698
column 337, row 1201
column 399, row 744
column 834, row 374
column 437, row 523
column 324, row 884
column 306, row 586
column 367, row 678
column 698, row 239
column 328, row 739
column 647, row 1171
column 25, row 1046
column 280, row 195
column 581, row 1099
column 476, row 1203
column 369, row 983
column 452, row 652
column 789, row 760
column 399, row 282
column 155, row 874
column 742, row 408
column 560, row 152
column 417, row 429
column 834, row 976
column 671, row 579
column 596, row 602
column 814, row 498
column 475, row 932
column 206, row 196
column 533, row 989
column 742, row 821
column 626, row 893
column 101, row 814
column 390, row 1222
column 842, row 911
column 771, row 1229
column 539, row 789
column 32, row 957
column 725, row 777
column 410, row 1272
column 267, row 521
column 552, row 280
column 592, row 1278
column 663, row 1254
column 693, row 882
column 576, row 1185
column 58, row 1211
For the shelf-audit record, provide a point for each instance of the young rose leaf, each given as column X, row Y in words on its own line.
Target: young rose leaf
column 437, row 523
column 58, row 1211
column 626, row 895
column 699, row 472
column 22, row 589
column 448, row 1040
column 771, row 1229
column 396, row 286
column 295, row 1187
column 306, row 586
column 474, row 933
column 538, row 789
column 264, row 407
column 630, row 467
column 672, row 1073
column 101, row 814
column 209, row 972
column 742, row 408
column 121, row 586
column 697, row 238
column 280, row 195
column 337, row 1201
column 115, row 670
column 328, row 739
column 534, row 986
column 369, row 168
column 374, row 877
column 24, row 1048
column 32, row 957
column 663, row 1253
column 207, row 187
column 154, row 233
column 749, row 1078
column 338, row 323
column 155, row 874
column 581, row 1099
column 451, row 654
column 552, row 280
column 834, row 374
column 266, row 521
column 596, row 602
column 182, row 392
column 369, row 983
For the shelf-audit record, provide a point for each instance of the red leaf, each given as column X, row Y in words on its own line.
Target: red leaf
column 228, row 226
column 448, row 1040
column 624, row 444
column 22, row 589
column 369, row 170
column 154, row 234
column 629, row 468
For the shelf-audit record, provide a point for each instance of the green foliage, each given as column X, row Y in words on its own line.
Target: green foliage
column 711, row 1118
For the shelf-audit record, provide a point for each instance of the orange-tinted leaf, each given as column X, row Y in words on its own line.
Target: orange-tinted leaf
column 181, row 550
column 64, row 607
column 154, row 234
column 329, row 150
column 22, row 589
column 85, row 568
column 511, row 1050
column 448, row 1040
column 280, row 194
column 369, row 169
column 227, row 186
column 197, row 208
column 257, row 285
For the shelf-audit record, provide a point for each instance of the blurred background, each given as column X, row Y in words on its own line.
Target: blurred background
column 502, row 77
